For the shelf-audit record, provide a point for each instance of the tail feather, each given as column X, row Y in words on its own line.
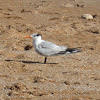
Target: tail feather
column 73, row 50
column 70, row 51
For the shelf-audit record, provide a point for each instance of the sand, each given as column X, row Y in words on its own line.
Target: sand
column 23, row 76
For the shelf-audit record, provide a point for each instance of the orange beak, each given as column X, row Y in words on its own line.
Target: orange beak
column 28, row 37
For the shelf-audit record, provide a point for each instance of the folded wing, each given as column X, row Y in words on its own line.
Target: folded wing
column 48, row 48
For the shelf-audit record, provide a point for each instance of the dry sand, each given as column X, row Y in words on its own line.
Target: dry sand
column 23, row 76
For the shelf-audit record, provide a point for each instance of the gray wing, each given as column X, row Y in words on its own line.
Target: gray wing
column 48, row 48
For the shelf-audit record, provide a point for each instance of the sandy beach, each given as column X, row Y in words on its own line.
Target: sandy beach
column 23, row 76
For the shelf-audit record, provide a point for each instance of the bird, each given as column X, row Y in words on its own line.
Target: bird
column 46, row 48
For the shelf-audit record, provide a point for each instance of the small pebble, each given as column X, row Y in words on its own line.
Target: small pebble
column 68, row 5
column 78, row 5
column 87, row 16
column 28, row 47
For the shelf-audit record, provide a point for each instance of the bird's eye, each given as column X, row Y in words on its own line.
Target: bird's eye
column 38, row 34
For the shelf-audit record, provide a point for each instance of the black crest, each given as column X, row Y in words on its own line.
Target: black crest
column 38, row 35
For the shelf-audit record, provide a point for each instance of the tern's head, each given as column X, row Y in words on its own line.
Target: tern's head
column 35, row 36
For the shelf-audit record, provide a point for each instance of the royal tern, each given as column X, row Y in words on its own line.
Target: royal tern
column 46, row 48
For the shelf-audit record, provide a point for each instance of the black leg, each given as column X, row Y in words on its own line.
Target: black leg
column 45, row 60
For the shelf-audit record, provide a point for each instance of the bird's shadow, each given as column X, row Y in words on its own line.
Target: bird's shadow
column 29, row 62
